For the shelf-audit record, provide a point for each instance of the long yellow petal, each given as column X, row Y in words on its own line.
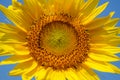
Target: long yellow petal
column 16, row 6
column 110, row 40
column 21, row 49
column 10, row 41
column 106, row 52
column 55, row 75
column 87, row 74
column 13, row 48
column 97, row 23
column 33, row 8
column 94, row 13
column 80, row 4
column 88, row 7
column 43, row 74
column 6, row 28
column 71, row 74
column 103, row 57
column 21, row 68
column 13, row 37
column 102, row 66
column 49, row 7
column 42, row 1
column 109, row 37
column 21, row 20
column 16, row 59
column 5, row 53
column 67, row 5
column 10, row 32
column 6, row 50
column 59, row 75
column 111, row 24
column 115, row 42
column 32, row 70
column 97, row 32
column 102, row 32
column 105, row 47
column 73, row 10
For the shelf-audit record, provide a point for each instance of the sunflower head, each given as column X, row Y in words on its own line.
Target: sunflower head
column 59, row 38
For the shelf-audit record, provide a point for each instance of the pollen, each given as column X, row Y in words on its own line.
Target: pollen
column 58, row 41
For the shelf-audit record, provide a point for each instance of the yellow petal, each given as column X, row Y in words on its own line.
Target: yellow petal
column 49, row 8
column 5, row 53
column 103, row 57
column 80, row 4
column 58, row 75
column 5, row 50
column 21, row 49
column 33, row 8
column 80, row 75
column 6, row 28
column 73, row 10
column 111, row 38
column 5, row 41
column 16, row 59
column 88, row 7
column 103, row 35
column 112, row 13
column 67, row 5
column 105, row 47
column 71, row 74
column 72, row 7
column 21, row 20
column 16, row 6
column 1, row 34
column 87, row 74
column 21, row 68
column 13, row 37
column 94, row 13
column 115, row 42
column 94, row 33
column 42, row 1
column 97, row 23
column 30, row 72
column 21, row 52
column 55, row 75
column 47, row 75
column 43, row 74
column 111, row 24
column 102, row 66
column 12, row 32
column 106, row 52
column 13, row 48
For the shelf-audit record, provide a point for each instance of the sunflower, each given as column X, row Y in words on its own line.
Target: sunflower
column 59, row 39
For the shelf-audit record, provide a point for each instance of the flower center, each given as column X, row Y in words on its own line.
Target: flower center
column 58, row 38
column 59, row 42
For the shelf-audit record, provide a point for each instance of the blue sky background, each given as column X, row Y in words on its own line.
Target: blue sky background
column 114, row 5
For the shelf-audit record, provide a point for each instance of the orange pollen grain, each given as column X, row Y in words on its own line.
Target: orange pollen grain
column 71, row 58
